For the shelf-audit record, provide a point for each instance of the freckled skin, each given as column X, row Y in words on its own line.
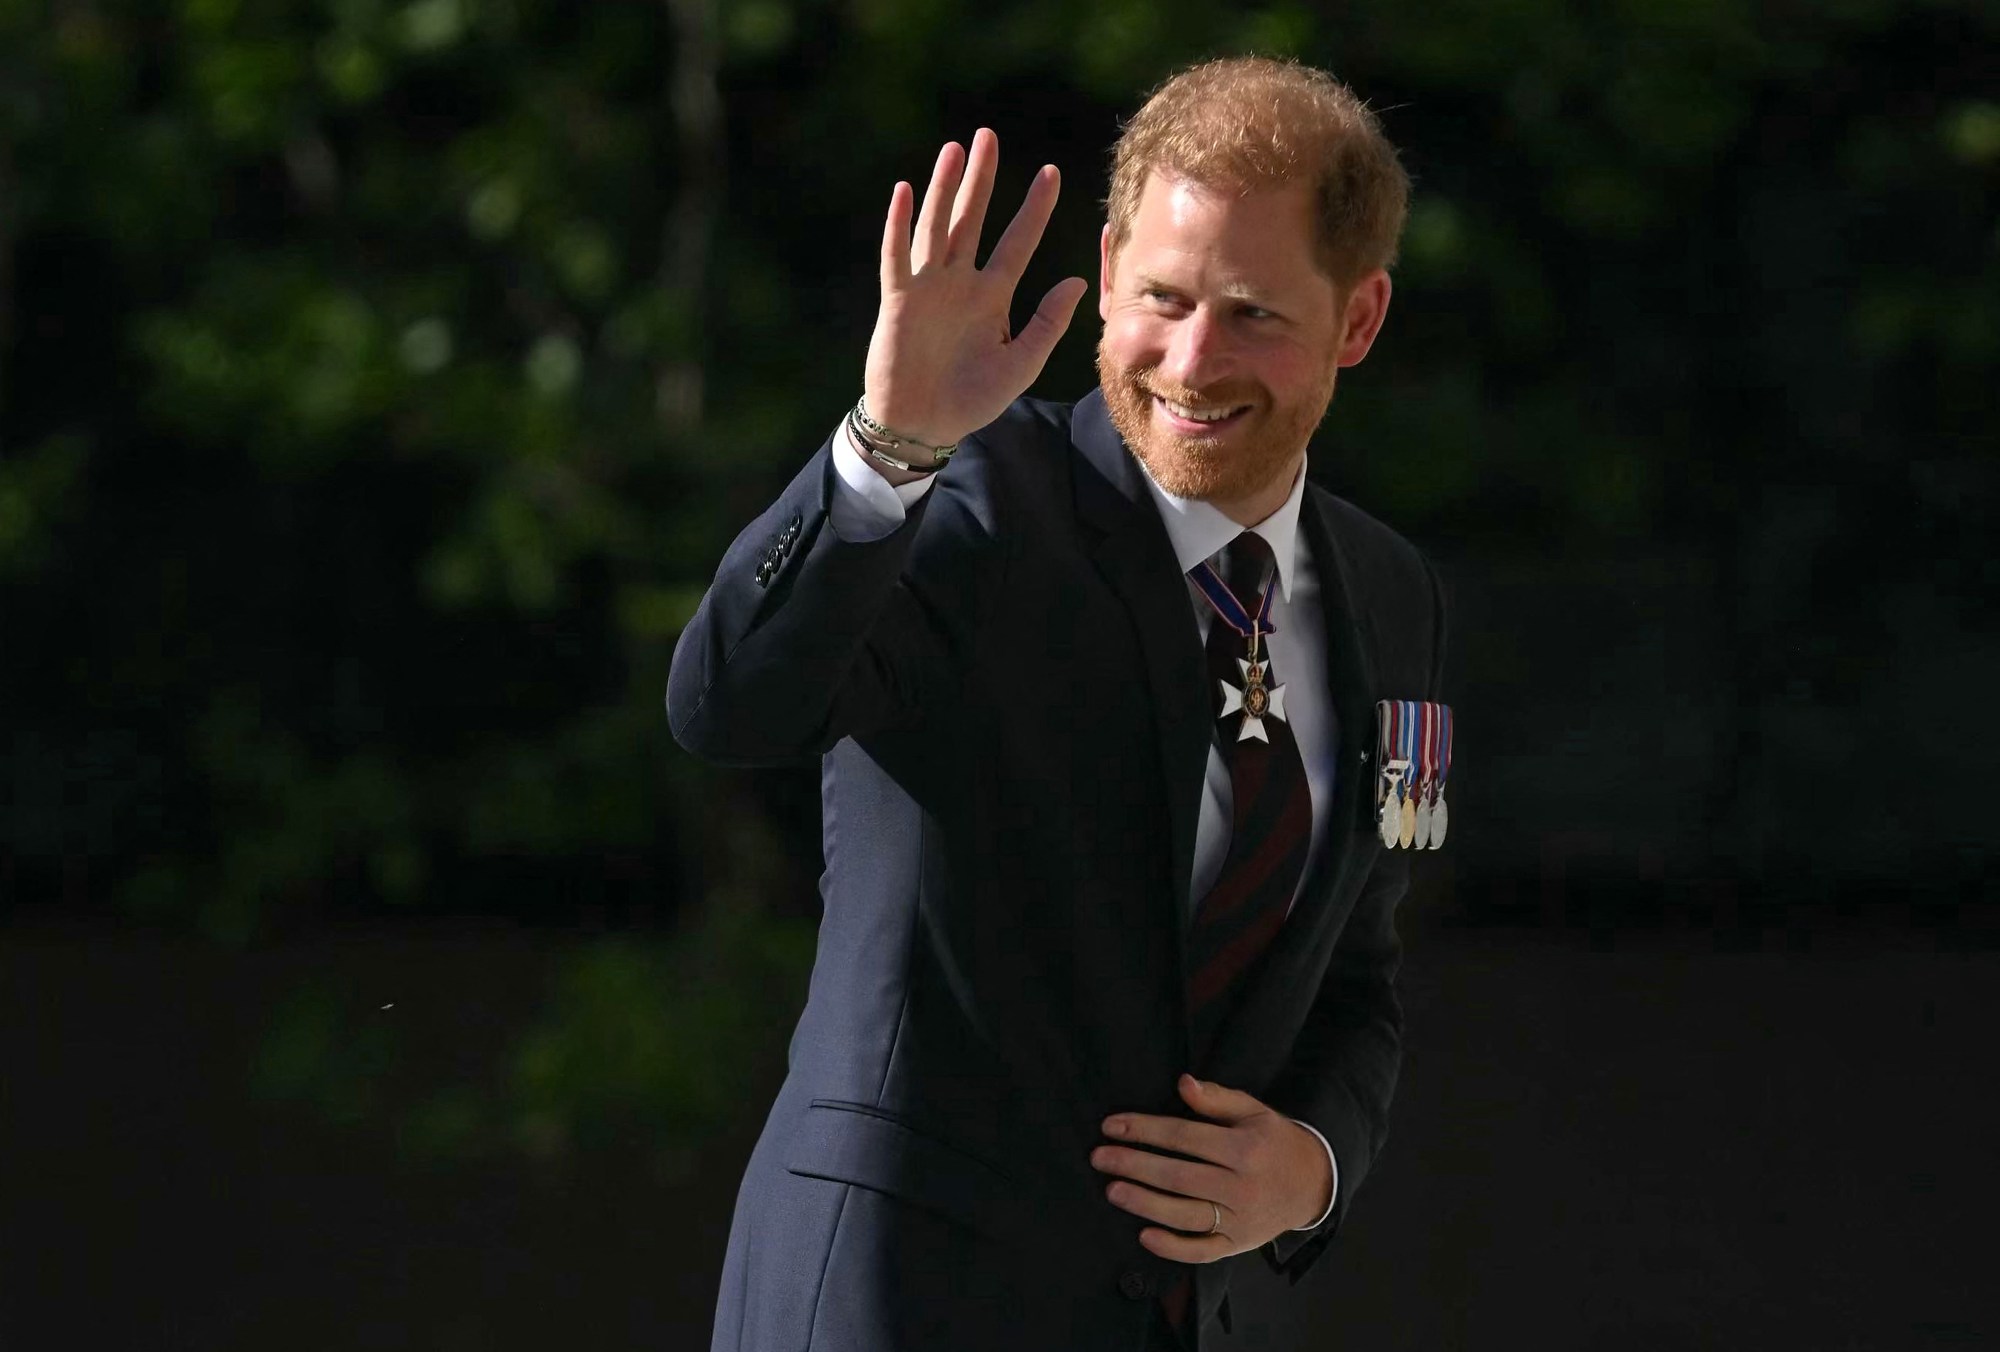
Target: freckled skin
column 1217, row 300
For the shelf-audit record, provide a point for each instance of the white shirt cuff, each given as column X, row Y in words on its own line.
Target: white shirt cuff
column 1332, row 1164
column 865, row 505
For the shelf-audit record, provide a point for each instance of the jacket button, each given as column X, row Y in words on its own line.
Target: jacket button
column 1132, row 1284
column 796, row 523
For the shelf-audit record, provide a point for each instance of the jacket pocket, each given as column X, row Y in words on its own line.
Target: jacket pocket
column 872, row 1148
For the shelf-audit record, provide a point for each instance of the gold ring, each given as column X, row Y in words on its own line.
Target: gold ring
column 1218, row 1220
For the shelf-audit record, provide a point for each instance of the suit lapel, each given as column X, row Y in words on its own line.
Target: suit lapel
column 1278, row 990
column 1136, row 558
column 1352, row 672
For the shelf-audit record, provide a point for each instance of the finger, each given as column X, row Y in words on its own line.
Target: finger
column 1203, row 1140
column 1222, row 1104
column 1189, row 1248
column 1024, row 232
column 1186, row 1177
column 896, row 239
column 1038, row 337
column 932, row 221
column 968, row 217
column 1194, row 1215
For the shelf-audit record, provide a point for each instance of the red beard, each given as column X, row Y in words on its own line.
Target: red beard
column 1232, row 466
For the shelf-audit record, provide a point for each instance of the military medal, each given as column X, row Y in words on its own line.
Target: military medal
column 1406, row 823
column 1413, row 751
column 1420, row 838
column 1431, row 737
column 1258, row 699
column 1440, row 815
column 1389, row 777
column 1390, row 820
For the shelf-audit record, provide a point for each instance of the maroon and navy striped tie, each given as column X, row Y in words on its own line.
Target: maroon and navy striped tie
column 1270, row 832
column 1270, row 820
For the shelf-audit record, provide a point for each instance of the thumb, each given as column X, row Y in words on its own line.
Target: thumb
column 1038, row 336
column 1215, row 1101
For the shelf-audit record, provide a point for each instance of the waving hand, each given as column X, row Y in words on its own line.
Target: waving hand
column 943, row 361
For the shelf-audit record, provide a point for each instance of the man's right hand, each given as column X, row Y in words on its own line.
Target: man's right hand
column 942, row 362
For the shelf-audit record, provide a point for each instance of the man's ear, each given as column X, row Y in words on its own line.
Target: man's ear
column 1367, row 306
column 1104, row 272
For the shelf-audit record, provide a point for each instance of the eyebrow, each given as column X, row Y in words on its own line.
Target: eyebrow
column 1148, row 282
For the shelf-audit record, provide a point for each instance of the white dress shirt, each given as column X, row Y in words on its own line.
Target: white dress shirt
column 866, row 506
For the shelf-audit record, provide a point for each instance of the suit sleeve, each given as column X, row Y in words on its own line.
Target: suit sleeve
column 804, row 637
column 1344, row 1065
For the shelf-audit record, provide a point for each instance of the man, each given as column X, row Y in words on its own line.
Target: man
column 1104, row 990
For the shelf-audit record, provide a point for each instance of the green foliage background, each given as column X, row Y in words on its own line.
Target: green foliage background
column 379, row 383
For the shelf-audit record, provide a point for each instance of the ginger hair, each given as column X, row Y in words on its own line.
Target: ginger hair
column 1248, row 123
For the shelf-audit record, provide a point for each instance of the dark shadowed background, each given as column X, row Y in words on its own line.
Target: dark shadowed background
column 380, row 383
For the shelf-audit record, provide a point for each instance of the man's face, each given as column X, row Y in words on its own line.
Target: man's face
column 1216, row 305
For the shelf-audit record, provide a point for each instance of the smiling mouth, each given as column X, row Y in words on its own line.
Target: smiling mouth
column 1202, row 421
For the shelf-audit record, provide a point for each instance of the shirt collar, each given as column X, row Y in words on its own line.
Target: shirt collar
column 1198, row 530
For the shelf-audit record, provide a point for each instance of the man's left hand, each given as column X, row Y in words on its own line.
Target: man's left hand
column 1264, row 1172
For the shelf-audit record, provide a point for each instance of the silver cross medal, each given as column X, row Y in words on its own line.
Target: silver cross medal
column 1256, row 700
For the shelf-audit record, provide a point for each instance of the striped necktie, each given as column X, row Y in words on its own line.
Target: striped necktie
column 1271, row 807
column 1270, row 827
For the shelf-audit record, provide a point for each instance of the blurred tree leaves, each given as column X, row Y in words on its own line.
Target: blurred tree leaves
column 427, row 250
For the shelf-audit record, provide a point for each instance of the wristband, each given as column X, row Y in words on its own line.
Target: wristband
column 881, row 441
column 867, row 444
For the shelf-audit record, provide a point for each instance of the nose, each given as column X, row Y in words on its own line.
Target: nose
column 1197, row 354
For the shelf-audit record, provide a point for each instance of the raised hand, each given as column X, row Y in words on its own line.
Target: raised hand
column 942, row 362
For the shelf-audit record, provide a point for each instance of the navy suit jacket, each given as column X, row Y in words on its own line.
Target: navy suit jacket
column 1010, row 701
